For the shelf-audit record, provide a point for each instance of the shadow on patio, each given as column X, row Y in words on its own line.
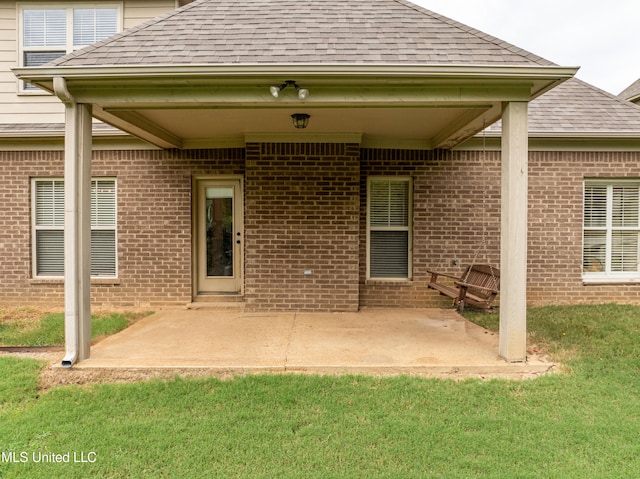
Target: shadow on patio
column 427, row 342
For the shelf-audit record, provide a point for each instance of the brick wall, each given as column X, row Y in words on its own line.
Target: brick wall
column 555, row 225
column 15, row 227
column 456, row 215
column 301, row 213
column 154, row 223
column 305, row 209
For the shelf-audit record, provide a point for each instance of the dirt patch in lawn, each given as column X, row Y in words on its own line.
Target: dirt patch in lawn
column 54, row 377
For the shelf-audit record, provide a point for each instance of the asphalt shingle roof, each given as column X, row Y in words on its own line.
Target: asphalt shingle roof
column 631, row 92
column 575, row 107
column 301, row 31
column 267, row 32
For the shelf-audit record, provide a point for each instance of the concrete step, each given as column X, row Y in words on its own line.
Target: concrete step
column 222, row 302
column 219, row 298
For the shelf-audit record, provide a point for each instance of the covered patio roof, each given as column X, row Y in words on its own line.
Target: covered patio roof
column 202, row 106
column 389, row 71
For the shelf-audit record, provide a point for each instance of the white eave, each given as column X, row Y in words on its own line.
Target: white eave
column 324, row 69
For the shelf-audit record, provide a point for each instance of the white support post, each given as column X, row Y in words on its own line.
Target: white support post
column 77, row 232
column 513, row 238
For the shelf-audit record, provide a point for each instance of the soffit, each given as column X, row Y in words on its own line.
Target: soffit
column 435, row 106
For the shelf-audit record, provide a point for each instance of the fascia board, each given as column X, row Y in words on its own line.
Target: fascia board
column 43, row 75
column 48, row 133
column 541, row 142
column 586, row 135
column 572, row 135
column 150, row 87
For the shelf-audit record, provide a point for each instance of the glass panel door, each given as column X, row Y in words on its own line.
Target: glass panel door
column 219, row 225
column 218, row 229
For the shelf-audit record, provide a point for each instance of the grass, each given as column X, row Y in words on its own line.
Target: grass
column 584, row 423
column 596, row 336
column 29, row 327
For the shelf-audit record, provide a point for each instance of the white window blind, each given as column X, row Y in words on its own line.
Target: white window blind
column 49, row 228
column 49, row 220
column 389, row 228
column 45, row 27
column 91, row 25
column 611, row 230
column 103, row 222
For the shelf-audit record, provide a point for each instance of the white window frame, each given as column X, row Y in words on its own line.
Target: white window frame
column 35, row 227
column 605, row 273
column 408, row 228
column 69, row 46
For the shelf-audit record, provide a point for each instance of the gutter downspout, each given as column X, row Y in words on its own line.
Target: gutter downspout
column 77, row 232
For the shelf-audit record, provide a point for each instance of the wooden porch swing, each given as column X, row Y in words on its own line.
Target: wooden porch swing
column 479, row 284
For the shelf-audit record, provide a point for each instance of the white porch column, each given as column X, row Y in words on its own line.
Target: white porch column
column 77, row 232
column 513, row 240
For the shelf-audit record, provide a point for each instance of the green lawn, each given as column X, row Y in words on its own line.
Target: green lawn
column 25, row 327
column 581, row 424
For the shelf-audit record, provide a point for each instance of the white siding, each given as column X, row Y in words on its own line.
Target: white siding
column 8, row 59
column 29, row 108
column 138, row 11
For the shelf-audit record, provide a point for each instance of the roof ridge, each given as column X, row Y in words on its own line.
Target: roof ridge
column 476, row 32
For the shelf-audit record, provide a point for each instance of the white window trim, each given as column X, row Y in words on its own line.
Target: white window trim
column 608, row 276
column 69, row 47
column 408, row 228
column 35, row 227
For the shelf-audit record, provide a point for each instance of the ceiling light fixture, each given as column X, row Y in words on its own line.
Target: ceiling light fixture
column 303, row 93
column 300, row 120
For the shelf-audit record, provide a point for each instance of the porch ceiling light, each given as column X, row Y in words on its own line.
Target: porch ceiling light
column 303, row 93
column 300, row 120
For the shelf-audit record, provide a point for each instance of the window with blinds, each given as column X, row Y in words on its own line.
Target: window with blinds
column 389, row 227
column 48, row 227
column 611, row 229
column 51, row 32
column 91, row 25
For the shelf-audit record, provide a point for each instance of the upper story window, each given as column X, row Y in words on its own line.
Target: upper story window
column 611, row 235
column 51, row 31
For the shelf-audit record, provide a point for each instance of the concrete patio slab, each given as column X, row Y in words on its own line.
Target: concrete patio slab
column 427, row 342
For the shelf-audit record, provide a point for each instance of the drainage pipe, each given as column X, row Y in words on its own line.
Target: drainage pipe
column 77, row 233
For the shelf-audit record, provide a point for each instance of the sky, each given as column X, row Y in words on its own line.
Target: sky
column 602, row 37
